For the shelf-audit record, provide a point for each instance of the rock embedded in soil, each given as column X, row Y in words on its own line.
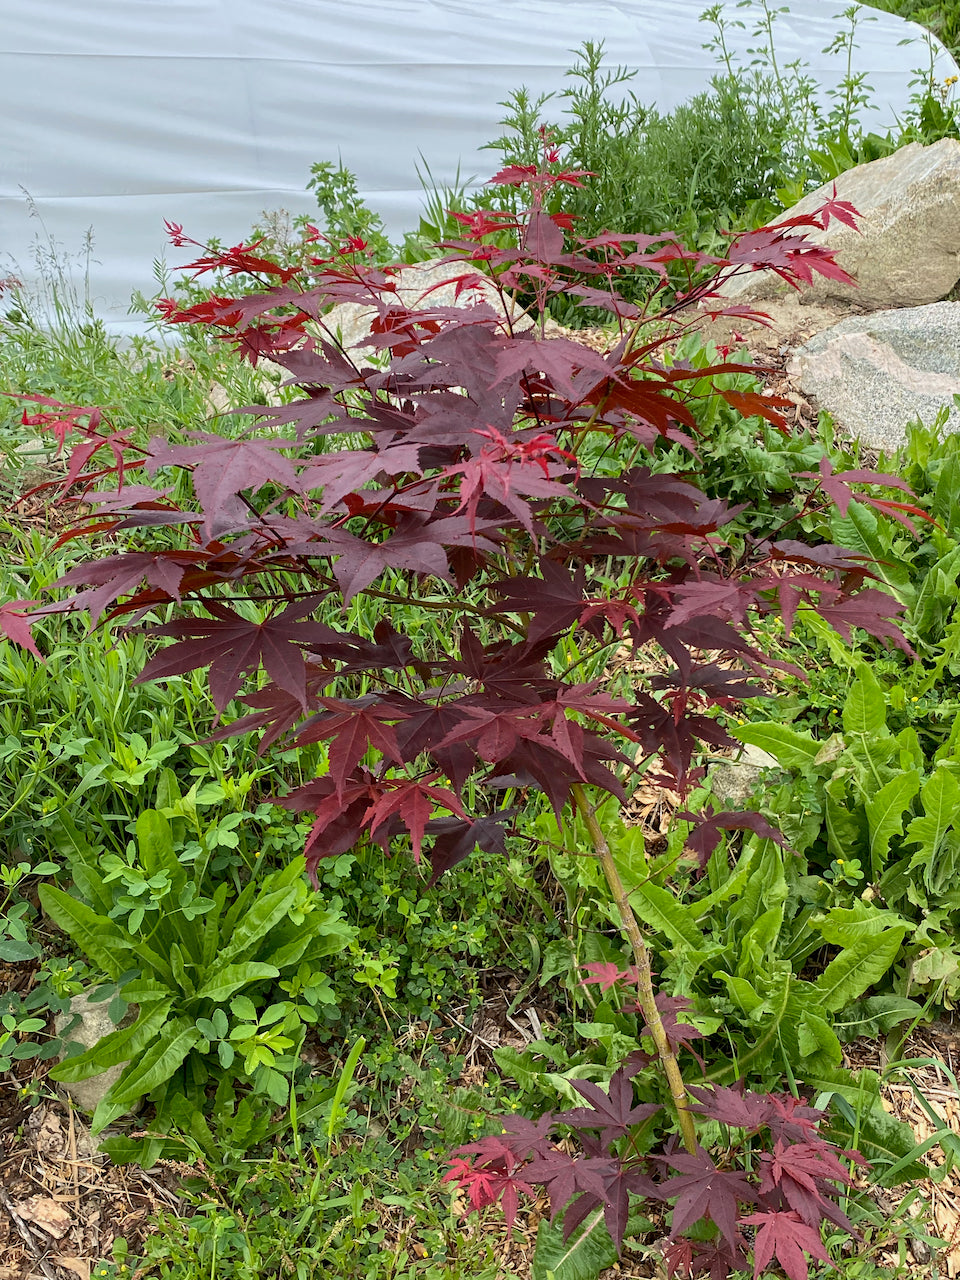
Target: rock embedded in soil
column 733, row 782
column 95, row 1023
column 877, row 373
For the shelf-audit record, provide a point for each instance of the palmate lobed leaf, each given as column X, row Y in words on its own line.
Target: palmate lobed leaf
column 223, row 470
column 701, row 1190
column 613, row 1113
column 15, row 625
column 409, row 802
column 785, row 1236
column 233, row 646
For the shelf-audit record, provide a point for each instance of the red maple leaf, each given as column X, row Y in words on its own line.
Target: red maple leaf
column 509, row 472
column 514, row 175
column 65, row 420
column 238, row 260
column 15, row 624
column 842, row 210
column 704, row 1191
column 486, row 1183
column 606, row 974
column 411, row 802
column 233, row 647
column 784, row 1235
column 751, row 403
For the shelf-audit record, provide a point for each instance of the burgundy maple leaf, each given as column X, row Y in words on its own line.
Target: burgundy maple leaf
column 352, row 726
column 120, row 575
column 704, row 1191
column 410, row 802
column 870, row 609
column 705, row 836
column 339, row 814
column 554, row 601
column 455, row 840
column 734, row 1107
column 784, row 1235
column 233, row 646
column 679, row 1034
column 613, row 1113
column 223, row 469
column 801, row 1172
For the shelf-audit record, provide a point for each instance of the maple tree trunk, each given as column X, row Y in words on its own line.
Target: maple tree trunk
column 646, row 996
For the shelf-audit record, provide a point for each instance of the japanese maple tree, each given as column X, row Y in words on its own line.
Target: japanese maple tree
column 500, row 478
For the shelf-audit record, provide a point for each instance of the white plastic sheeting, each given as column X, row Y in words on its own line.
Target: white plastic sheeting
column 120, row 113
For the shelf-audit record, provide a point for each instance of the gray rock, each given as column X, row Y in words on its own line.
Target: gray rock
column 907, row 251
column 416, row 289
column 877, row 373
column 733, row 782
column 94, row 1024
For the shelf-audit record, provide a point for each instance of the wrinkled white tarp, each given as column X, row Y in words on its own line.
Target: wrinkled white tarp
column 120, row 113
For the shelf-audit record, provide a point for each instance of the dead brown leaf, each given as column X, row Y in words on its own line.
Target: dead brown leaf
column 79, row 1266
column 46, row 1213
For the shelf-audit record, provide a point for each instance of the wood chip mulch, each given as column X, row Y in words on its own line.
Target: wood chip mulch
column 63, row 1205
